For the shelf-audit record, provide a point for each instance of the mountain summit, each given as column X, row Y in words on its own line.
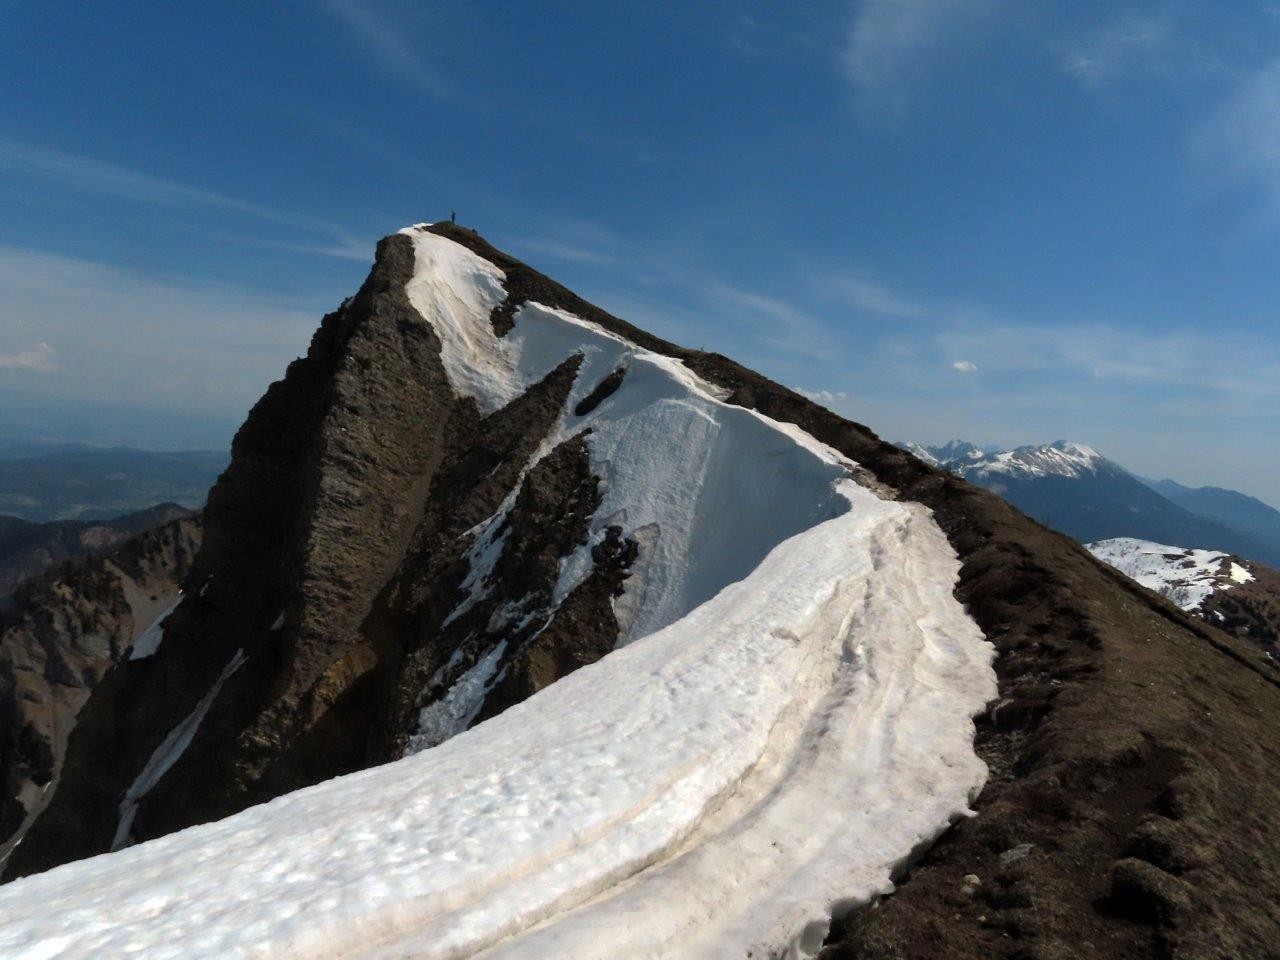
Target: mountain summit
column 518, row 631
column 1073, row 488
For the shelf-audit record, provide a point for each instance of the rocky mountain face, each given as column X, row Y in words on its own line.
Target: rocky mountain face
column 65, row 630
column 337, row 544
column 382, row 567
column 27, row 548
column 1233, row 594
column 1073, row 488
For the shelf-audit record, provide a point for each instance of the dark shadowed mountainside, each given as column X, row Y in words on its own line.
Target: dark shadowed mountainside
column 64, row 630
column 1249, row 515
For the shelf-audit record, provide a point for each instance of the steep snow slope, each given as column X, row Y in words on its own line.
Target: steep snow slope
column 707, row 487
column 794, row 647
column 1185, row 576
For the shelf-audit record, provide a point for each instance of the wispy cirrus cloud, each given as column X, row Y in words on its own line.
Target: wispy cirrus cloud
column 560, row 250
column 95, row 176
column 772, row 323
column 37, row 358
column 869, row 296
column 382, row 32
column 889, row 42
column 1238, row 145
column 754, row 38
column 1107, row 356
column 1138, row 43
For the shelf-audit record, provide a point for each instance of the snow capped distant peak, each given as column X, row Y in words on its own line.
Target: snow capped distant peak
column 1080, row 450
column 922, row 452
column 1186, row 577
column 1062, row 458
column 958, row 450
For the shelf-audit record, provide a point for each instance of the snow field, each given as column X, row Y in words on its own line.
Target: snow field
column 787, row 720
column 1185, row 576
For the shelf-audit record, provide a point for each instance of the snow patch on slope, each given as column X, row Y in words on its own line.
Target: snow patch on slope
column 796, row 650
column 455, row 711
column 167, row 754
column 1186, row 577
column 149, row 640
column 702, row 762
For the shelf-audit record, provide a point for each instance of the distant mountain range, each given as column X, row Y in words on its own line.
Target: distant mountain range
column 1073, row 488
column 27, row 549
column 42, row 481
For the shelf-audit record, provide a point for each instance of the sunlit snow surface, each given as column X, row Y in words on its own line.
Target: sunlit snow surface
column 789, row 723
column 1185, row 576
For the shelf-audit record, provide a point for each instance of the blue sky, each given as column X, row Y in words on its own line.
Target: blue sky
column 1002, row 220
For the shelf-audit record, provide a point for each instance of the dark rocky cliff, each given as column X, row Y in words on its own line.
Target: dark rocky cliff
column 63, row 631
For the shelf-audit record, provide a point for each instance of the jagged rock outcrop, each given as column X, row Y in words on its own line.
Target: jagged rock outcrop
column 336, row 547
column 1250, row 610
column 63, row 631
column 350, row 597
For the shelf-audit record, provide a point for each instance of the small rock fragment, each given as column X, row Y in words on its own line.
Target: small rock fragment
column 1014, row 854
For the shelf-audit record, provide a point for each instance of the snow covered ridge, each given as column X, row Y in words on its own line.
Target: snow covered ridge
column 1063, row 458
column 786, row 722
column 1186, row 577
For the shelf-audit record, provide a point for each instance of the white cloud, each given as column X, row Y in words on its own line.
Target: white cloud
column 39, row 358
column 965, row 366
column 889, row 41
column 827, row 398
